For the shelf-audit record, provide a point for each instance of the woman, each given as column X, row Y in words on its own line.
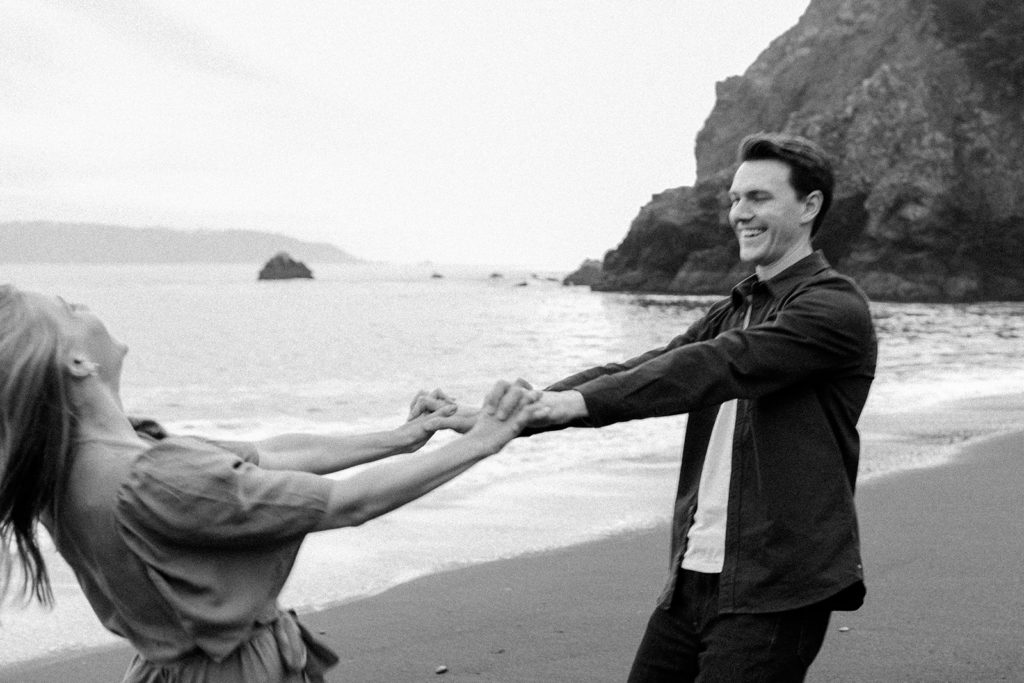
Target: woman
column 183, row 545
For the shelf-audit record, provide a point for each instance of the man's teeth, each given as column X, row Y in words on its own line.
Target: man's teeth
column 751, row 232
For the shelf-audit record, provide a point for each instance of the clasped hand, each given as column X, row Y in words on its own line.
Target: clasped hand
column 548, row 408
column 506, row 410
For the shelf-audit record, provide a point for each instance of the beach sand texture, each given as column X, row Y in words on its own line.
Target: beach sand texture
column 943, row 550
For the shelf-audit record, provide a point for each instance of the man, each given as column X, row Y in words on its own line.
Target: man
column 764, row 537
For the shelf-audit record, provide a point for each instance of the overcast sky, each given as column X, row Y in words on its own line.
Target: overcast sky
column 471, row 131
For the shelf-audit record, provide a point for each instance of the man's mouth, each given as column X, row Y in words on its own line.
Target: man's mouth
column 750, row 233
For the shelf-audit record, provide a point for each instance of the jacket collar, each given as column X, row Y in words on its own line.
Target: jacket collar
column 783, row 283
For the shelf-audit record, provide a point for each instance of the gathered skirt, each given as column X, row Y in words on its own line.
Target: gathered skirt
column 281, row 651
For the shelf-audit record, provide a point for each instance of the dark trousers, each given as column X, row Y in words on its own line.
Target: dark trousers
column 691, row 641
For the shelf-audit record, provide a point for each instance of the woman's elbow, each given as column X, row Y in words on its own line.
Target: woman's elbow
column 350, row 513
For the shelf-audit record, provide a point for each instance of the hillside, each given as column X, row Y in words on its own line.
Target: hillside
column 919, row 101
column 45, row 242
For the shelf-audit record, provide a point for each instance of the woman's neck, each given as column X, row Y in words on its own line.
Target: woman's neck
column 100, row 419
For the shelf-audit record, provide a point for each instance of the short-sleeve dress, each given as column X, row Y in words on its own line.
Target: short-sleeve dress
column 183, row 550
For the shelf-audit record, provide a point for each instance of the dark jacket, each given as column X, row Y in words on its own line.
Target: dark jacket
column 802, row 370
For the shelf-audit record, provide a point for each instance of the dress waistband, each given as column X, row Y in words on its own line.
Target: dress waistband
column 302, row 656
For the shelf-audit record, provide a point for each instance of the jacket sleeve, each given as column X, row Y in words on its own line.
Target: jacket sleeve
column 817, row 331
column 571, row 382
column 581, row 378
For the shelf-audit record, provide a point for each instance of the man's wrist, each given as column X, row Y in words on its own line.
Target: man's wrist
column 567, row 405
column 577, row 404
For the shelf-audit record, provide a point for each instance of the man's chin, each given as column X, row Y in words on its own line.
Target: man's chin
column 748, row 257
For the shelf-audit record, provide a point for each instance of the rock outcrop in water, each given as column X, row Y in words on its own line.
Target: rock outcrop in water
column 920, row 103
column 588, row 274
column 284, row 267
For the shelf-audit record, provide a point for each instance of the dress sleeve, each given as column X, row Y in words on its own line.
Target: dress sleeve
column 246, row 450
column 199, row 493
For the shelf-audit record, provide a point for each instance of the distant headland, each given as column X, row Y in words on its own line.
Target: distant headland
column 53, row 242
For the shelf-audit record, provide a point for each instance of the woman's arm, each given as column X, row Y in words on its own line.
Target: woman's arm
column 326, row 453
column 390, row 485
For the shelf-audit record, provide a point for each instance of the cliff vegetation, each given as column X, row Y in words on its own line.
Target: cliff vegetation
column 920, row 103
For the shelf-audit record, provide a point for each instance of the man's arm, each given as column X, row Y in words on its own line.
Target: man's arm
column 692, row 334
column 552, row 408
column 555, row 409
column 567, row 407
column 822, row 330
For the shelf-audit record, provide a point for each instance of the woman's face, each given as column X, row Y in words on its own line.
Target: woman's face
column 87, row 336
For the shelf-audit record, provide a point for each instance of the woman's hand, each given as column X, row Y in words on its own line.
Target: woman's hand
column 376, row 490
column 506, row 410
column 428, row 401
column 424, row 420
column 460, row 420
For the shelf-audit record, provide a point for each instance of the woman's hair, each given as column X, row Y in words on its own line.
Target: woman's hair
column 36, row 423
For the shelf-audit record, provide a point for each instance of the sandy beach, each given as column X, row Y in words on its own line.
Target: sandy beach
column 943, row 549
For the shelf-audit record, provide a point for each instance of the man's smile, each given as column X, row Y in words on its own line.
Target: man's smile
column 750, row 233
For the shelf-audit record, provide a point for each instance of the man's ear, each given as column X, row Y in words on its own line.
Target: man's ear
column 812, row 205
column 81, row 367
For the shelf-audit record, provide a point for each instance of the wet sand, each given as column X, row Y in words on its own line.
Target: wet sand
column 943, row 552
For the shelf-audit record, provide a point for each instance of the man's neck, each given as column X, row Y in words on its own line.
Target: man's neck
column 769, row 271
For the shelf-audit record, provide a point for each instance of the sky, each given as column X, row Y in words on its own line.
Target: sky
column 464, row 131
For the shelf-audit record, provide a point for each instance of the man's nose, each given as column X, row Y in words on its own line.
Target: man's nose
column 740, row 212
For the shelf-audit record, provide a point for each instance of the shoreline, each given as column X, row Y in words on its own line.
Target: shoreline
column 577, row 613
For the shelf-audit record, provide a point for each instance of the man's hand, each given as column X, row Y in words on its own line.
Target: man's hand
column 558, row 408
column 552, row 407
column 507, row 409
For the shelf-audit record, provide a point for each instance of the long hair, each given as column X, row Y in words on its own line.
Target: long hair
column 36, row 423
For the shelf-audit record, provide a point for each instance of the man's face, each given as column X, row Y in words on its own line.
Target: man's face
column 768, row 218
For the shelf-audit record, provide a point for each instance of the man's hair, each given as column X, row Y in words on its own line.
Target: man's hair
column 809, row 166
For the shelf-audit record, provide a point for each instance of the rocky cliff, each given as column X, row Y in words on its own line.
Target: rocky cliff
column 921, row 102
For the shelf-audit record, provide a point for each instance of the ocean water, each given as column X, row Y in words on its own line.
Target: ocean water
column 216, row 353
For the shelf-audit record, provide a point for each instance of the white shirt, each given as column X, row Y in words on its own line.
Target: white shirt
column 705, row 545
